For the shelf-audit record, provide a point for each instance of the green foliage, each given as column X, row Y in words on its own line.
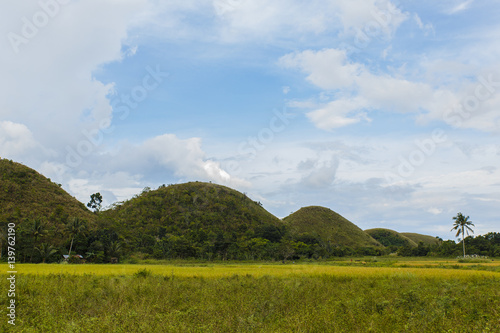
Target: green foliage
column 389, row 237
column 143, row 273
column 95, row 202
column 329, row 227
column 39, row 208
column 194, row 220
column 417, row 238
column 46, row 251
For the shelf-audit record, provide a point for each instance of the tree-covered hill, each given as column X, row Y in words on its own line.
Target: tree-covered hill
column 191, row 220
column 41, row 210
column 388, row 237
column 24, row 193
column 426, row 239
column 315, row 221
column 194, row 219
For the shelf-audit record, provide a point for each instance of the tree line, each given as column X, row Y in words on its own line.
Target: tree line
column 101, row 245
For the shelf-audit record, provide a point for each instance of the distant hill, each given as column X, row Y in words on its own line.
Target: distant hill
column 329, row 226
column 205, row 217
column 191, row 220
column 427, row 240
column 388, row 237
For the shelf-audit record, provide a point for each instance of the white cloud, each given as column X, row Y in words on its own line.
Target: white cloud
column 370, row 16
column 463, row 5
column 328, row 69
column 15, row 140
column 50, row 78
column 339, row 113
column 241, row 21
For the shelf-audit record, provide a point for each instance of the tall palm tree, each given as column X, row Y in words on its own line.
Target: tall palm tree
column 37, row 230
column 75, row 226
column 462, row 225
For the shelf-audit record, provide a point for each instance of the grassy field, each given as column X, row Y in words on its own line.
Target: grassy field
column 341, row 296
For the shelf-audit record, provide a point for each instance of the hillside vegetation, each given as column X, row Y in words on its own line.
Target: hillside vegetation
column 330, row 227
column 40, row 209
column 24, row 193
column 417, row 238
column 388, row 237
column 193, row 220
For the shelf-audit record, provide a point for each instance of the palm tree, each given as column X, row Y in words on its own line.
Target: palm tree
column 462, row 225
column 3, row 237
column 75, row 226
column 37, row 230
column 46, row 251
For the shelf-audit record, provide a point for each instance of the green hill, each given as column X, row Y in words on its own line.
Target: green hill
column 389, row 237
column 427, row 240
column 26, row 194
column 329, row 226
column 191, row 220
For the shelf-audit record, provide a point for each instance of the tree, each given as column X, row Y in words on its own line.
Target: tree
column 37, row 229
column 95, row 202
column 46, row 251
column 75, row 226
column 462, row 225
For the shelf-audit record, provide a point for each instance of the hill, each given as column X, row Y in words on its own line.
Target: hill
column 329, row 226
column 389, row 237
column 427, row 240
column 26, row 194
column 192, row 220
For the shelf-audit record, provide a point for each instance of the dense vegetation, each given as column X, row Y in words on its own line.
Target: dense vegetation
column 144, row 301
column 390, row 238
column 196, row 220
column 193, row 220
column 417, row 238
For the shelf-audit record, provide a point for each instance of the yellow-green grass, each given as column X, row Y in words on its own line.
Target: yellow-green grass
column 447, row 262
column 255, row 270
column 251, row 297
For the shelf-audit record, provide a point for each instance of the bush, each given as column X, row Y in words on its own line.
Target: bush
column 143, row 273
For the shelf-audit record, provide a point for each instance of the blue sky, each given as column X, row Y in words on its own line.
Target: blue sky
column 386, row 112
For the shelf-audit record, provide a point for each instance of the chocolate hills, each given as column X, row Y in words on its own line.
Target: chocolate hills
column 329, row 226
column 388, row 237
column 417, row 238
column 24, row 193
column 191, row 220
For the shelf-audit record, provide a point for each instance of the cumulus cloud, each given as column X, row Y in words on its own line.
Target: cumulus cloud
column 159, row 160
column 185, row 158
column 339, row 113
column 358, row 90
column 15, row 139
column 49, row 60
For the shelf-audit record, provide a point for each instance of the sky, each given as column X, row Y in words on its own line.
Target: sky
column 387, row 112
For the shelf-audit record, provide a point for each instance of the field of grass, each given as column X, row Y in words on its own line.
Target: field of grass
column 340, row 296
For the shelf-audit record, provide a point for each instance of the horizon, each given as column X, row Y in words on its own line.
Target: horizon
column 382, row 111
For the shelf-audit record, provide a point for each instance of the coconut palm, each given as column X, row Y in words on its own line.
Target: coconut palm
column 46, row 251
column 75, row 226
column 462, row 225
column 37, row 229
